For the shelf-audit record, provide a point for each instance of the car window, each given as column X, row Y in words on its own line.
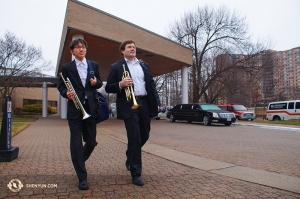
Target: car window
column 223, row 108
column 196, row 106
column 239, row 108
column 297, row 105
column 177, row 106
column 291, row 105
column 186, row 106
column 278, row 106
column 209, row 107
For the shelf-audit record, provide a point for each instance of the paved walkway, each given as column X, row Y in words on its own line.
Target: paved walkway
column 45, row 169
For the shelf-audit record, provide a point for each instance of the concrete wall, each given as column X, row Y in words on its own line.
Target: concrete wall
column 31, row 93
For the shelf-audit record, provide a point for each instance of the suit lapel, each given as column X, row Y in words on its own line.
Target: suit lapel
column 145, row 70
column 87, row 76
column 126, row 67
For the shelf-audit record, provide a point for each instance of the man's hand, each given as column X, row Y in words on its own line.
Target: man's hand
column 126, row 82
column 93, row 81
column 71, row 95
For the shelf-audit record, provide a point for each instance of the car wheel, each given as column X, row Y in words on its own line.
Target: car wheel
column 172, row 118
column 276, row 118
column 206, row 121
column 157, row 118
column 227, row 124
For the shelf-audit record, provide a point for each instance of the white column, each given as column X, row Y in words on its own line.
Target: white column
column 184, row 76
column 58, row 103
column 63, row 103
column 45, row 100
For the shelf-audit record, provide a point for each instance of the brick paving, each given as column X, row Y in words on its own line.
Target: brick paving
column 44, row 160
column 264, row 149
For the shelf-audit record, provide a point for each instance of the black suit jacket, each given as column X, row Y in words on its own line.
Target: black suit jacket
column 124, row 110
column 70, row 70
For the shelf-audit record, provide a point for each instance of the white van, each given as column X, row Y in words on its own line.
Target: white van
column 284, row 110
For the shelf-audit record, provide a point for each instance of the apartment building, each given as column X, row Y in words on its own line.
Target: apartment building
column 279, row 78
column 287, row 74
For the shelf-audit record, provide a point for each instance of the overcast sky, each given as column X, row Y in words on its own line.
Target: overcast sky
column 40, row 22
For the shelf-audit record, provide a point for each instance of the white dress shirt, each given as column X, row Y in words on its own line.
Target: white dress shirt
column 137, row 76
column 82, row 70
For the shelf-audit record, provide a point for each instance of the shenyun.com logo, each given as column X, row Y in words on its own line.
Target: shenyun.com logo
column 15, row 185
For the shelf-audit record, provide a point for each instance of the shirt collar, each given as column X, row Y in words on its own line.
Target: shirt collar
column 78, row 63
column 132, row 62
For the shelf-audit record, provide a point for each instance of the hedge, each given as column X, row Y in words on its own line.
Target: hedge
column 37, row 108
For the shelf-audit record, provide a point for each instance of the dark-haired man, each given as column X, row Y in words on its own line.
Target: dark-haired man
column 84, row 87
column 137, row 121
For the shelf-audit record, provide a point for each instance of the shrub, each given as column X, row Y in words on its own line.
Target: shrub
column 37, row 108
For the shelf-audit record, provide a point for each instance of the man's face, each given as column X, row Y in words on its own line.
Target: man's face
column 130, row 51
column 79, row 51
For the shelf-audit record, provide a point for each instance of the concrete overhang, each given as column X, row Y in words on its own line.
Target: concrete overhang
column 23, row 81
column 104, row 33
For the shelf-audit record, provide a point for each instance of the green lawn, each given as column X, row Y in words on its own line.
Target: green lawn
column 16, row 118
column 16, row 126
column 285, row 122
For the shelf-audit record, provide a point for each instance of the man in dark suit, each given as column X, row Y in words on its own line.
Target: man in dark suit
column 137, row 121
column 84, row 87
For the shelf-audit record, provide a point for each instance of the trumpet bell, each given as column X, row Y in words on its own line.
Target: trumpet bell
column 135, row 106
column 86, row 116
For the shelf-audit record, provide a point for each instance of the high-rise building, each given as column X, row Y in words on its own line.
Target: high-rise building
column 278, row 78
column 287, row 74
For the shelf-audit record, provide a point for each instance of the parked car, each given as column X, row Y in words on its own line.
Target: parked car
column 284, row 110
column 113, row 109
column 241, row 112
column 169, row 107
column 162, row 109
column 206, row 113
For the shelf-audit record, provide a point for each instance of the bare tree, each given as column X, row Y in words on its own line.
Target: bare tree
column 209, row 33
column 168, row 88
column 17, row 59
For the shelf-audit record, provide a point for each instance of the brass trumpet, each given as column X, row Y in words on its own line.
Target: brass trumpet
column 129, row 91
column 76, row 100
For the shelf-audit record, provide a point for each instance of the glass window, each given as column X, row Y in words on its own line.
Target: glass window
column 223, row 107
column 209, row 107
column 186, row 106
column 291, row 105
column 177, row 106
column 277, row 106
column 297, row 105
column 196, row 106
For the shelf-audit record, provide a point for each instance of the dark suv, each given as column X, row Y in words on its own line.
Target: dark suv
column 206, row 113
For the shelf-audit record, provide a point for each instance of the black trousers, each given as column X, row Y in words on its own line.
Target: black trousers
column 82, row 130
column 138, row 128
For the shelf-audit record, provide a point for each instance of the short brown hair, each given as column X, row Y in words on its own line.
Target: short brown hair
column 122, row 46
column 77, row 41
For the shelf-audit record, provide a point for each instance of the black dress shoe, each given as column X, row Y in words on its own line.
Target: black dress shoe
column 127, row 166
column 137, row 180
column 83, row 185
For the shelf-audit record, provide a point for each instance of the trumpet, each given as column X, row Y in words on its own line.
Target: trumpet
column 76, row 100
column 129, row 91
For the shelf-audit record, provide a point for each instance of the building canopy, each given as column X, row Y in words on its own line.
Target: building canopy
column 104, row 33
